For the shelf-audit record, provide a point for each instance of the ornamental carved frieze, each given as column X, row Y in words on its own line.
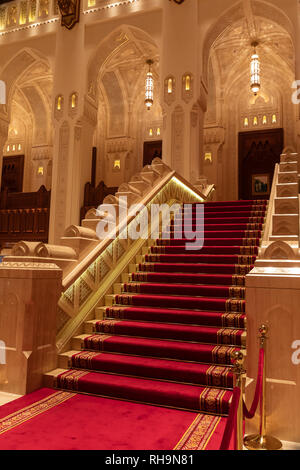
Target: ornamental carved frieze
column 70, row 12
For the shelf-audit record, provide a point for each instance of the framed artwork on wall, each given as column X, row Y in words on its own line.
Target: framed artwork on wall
column 261, row 185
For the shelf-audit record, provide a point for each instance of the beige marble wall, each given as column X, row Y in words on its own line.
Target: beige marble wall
column 28, row 306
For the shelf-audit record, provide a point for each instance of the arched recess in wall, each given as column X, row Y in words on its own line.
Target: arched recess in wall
column 227, row 51
column 29, row 82
column 116, row 82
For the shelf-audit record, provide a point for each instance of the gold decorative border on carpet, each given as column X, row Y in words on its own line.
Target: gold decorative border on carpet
column 152, row 258
column 252, row 234
column 158, row 250
column 211, row 400
column 147, row 267
column 83, row 359
column 250, row 242
column 115, row 312
column 199, row 433
column 95, row 342
column 133, row 287
column 228, row 336
column 139, row 277
column 242, row 270
column 248, row 250
column 107, row 326
column 123, row 299
column 246, row 260
column 69, row 380
column 235, row 306
column 238, row 280
column 237, row 292
column 233, row 320
column 216, row 376
column 222, row 354
column 258, row 213
column 256, row 220
column 254, row 226
column 31, row 411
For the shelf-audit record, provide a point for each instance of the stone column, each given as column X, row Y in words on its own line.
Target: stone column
column 29, row 293
column 4, row 124
column 75, row 117
column 183, row 95
column 297, row 76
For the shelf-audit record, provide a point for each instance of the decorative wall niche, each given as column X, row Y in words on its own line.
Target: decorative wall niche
column 117, row 165
column 187, row 87
column 169, row 90
column 73, row 104
column 208, row 158
column 59, row 107
column 154, row 131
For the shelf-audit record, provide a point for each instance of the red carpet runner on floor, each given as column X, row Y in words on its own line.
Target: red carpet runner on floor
column 168, row 336
column 48, row 420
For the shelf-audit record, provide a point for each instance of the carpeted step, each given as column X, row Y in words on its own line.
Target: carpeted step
column 214, row 227
column 196, row 268
column 185, row 278
column 185, row 351
column 189, row 397
column 223, row 233
column 184, row 302
column 212, row 335
column 184, row 290
column 192, row 258
column 168, row 315
column 206, row 250
column 211, row 242
column 236, row 203
column 218, row 221
column 229, row 208
column 167, row 334
column 161, row 369
column 224, row 217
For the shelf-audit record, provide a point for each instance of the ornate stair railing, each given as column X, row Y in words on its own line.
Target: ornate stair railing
column 64, row 284
column 272, row 298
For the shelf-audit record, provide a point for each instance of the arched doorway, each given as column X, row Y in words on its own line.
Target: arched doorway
column 234, row 115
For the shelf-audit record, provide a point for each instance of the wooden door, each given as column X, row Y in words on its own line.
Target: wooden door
column 152, row 150
column 259, row 151
column 12, row 173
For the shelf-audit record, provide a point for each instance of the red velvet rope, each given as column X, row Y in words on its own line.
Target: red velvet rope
column 231, row 421
column 249, row 414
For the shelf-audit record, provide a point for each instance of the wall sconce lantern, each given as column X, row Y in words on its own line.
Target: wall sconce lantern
column 255, row 71
column 117, row 165
column 149, row 86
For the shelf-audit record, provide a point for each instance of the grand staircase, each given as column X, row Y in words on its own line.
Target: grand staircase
column 167, row 333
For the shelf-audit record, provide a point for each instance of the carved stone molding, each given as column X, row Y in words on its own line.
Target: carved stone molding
column 169, row 90
column 42, row 152
column 280, row 250
column 214, row 135
column 178, row 124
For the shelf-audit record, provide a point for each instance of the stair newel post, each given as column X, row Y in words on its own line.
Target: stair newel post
column 239, row 371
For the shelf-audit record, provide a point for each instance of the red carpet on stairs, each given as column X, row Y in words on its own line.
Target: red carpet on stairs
column 168, row 334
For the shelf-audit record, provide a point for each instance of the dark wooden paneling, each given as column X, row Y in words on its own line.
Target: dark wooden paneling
column 12, row 173
column 93, row 196
column 24, row 216
column 152, row 150
column 259, row 151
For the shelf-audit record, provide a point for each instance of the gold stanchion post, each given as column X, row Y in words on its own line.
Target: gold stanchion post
column 238, row 370
column 262, row 441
